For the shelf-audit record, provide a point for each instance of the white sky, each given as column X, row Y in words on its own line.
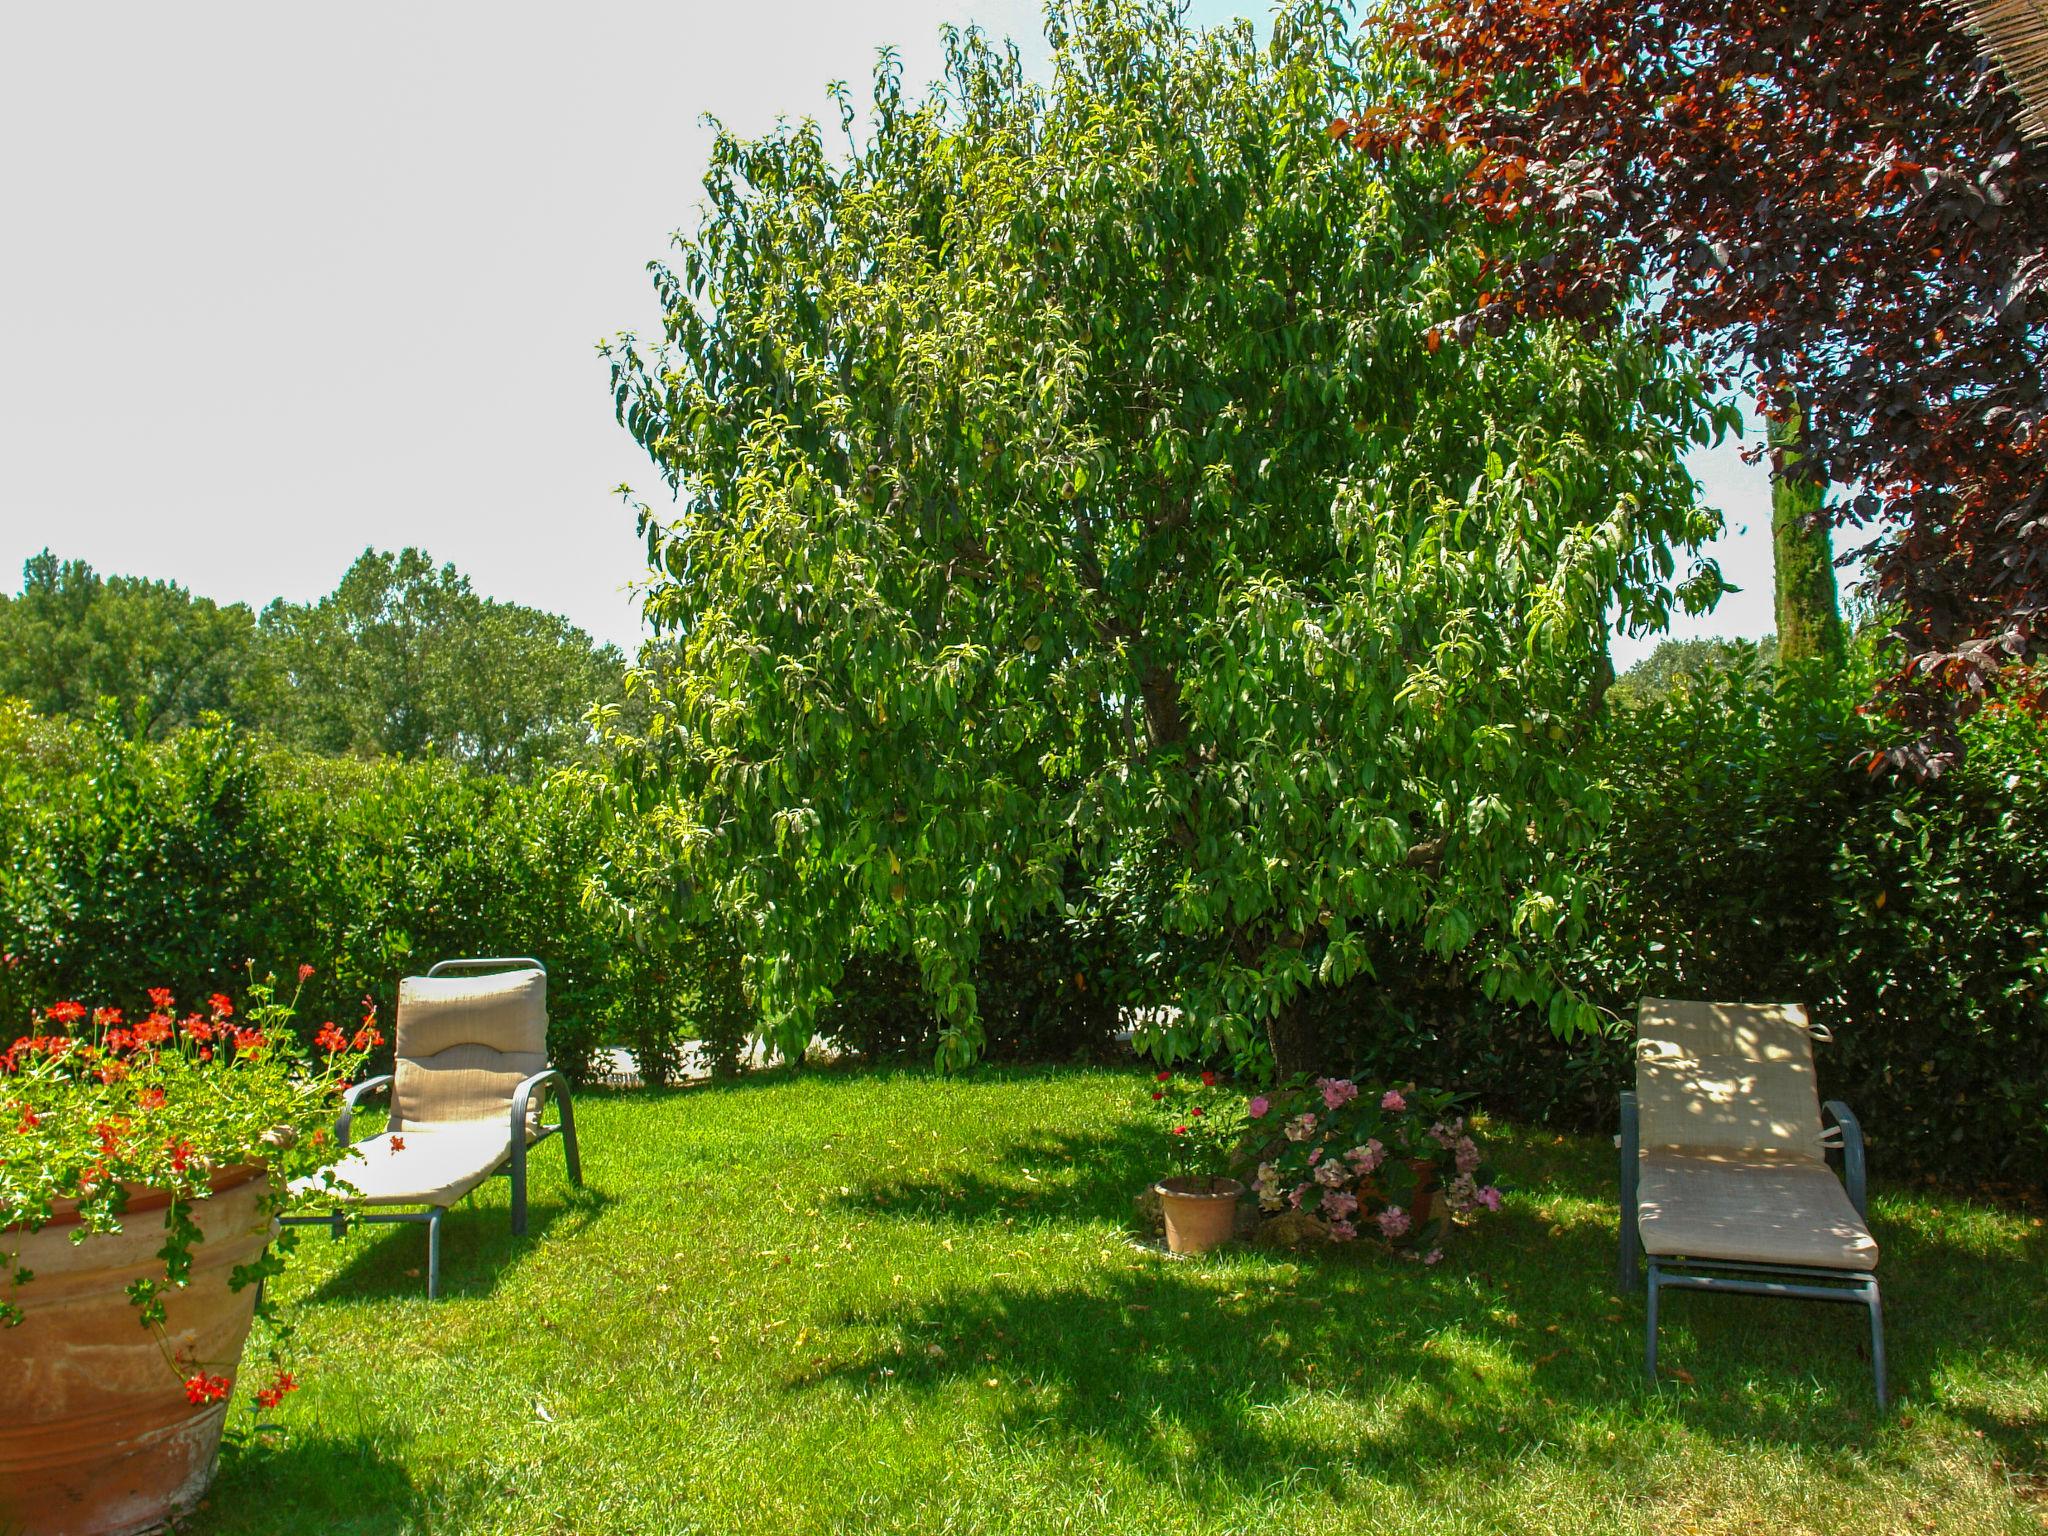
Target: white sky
column 283, row 281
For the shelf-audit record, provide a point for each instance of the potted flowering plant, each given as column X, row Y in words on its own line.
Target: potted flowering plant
column 141, row 1163
column 1398, row 1165
column 1202, row 1123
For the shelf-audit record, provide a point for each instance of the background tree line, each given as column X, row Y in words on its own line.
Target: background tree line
column 402, row 659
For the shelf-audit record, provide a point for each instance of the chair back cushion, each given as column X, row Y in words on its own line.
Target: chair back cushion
column 464, row 1045
column 1726, row 1077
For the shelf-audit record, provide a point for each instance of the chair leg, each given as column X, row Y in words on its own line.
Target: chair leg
column 568, row 1113
column 518, row 1188
column 434, row 1255
column 1876, row 1339
column 1650, row 1329
column 1628, row 1269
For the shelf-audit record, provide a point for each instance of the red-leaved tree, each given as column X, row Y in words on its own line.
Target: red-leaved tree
column 1831, row 201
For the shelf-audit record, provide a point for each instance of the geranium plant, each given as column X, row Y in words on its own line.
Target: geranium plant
column 1202, row 1122
column 1398, row 1164
column 96, row 1108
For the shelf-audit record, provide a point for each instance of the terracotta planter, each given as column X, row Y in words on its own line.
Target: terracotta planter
column 96, row 1435
column 1200, row 1213
column 1423, row 1208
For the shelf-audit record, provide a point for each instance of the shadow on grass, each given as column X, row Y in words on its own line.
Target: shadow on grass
column 327, row 1482
column 388, row 1261
column 1521, row 1343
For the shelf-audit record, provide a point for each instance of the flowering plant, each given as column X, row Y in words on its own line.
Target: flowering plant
column 1202, row 1121
column 1398, row 1165
column 96, row 1108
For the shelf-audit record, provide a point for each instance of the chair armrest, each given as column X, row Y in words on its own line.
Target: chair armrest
column 1854, row 1170
column 353, row 1098
column 548, row 1081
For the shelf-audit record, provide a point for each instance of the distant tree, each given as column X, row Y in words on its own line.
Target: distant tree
column 73, row 639
column 1068, row 479
column 1802, row 563
column 1833, row 199
column 1676, row 661
column 404, row 659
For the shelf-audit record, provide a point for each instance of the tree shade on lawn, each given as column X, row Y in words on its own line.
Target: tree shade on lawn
column 900, row 1303
column 1070, row 480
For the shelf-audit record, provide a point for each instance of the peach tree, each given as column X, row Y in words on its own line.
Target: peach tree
column 1070, row 485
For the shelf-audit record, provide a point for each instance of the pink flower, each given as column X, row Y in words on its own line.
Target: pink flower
column 1445, row 1136
column 1468, row 1154
column 1393, row 1221
column 1434, row 1256
column 1392, row 1100
column 1301, row 1127
column 1332, row 1174
column 1256, row 1110
column 1368, row 1157
column 1343, row 1232
column 1337, row 1091
column 1489, row 1197
column 1339, row 1203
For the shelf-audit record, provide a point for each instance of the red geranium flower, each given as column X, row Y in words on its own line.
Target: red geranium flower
column 66, row 1013
column 1180, row 1130
column 330, row 1039
column 201, row 1388
column 272, row 1395
column 152, row 1098
column 1196, row 1110
column 160, row 999
column 305, row 973
column 181, row 1154
column 1164, row 1077
column 223, row 1005
column 1208, row 1079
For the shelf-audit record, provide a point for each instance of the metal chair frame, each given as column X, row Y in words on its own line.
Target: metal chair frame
column 1798, row 1281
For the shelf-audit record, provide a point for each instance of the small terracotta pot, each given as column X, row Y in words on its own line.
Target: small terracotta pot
column 1200, row 1213
column 96, row 1435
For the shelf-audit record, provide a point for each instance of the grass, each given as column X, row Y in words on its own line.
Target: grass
column 883, row 1302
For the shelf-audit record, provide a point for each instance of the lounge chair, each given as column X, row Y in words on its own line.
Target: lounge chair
column 1726, row 1183
column 471, row 1079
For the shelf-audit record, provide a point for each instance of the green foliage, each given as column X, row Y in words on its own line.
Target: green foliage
column 99, row 1102
column 72, row 639
column 1753, row 856
column 400, row 660
column 1074, row 482
column 1674, row 661
column 1802, row 553
column 406, row 660
column 1199, row 1120
column 125, row 865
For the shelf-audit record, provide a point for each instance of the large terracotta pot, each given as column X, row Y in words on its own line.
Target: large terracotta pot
column 1200, row 1213
column 96, row 1434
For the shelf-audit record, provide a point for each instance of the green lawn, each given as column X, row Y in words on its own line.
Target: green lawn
column 888, row 1302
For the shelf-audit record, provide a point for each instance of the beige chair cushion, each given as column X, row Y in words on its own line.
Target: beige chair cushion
column 464, row 1045
column 420, row 1167
column 1729, row 1077
column 1754, row 1208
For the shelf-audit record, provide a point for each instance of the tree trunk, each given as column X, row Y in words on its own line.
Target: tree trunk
column 1809, row 616
column 1297, row 1044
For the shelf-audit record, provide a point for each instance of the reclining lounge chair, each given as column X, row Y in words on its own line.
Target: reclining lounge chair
column 1726, row 1183
column 470, row 1081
